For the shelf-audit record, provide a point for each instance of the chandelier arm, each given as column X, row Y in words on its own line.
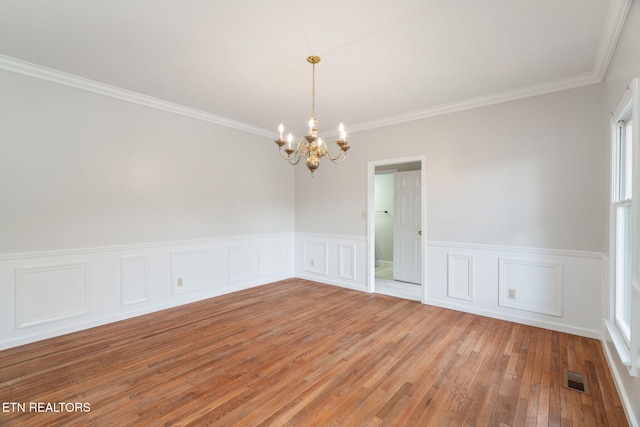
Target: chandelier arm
column 338, row 160
column 288, row 158
column 298, row 157
column 339, row 155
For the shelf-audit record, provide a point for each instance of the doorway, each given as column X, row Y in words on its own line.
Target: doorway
column 396, row 220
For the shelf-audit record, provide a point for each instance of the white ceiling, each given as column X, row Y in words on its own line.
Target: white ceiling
column 383, row 61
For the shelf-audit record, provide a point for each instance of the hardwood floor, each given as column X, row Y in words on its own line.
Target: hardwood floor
column 301, row 353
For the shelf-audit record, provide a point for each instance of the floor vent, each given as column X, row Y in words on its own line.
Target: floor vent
column 575, row 381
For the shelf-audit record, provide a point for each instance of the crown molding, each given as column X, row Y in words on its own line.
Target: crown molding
column 43, row 73
column 614, row 22
column 585, row 79
column 616, row 16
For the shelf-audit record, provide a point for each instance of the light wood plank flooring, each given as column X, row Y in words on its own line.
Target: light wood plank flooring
column 301, row 353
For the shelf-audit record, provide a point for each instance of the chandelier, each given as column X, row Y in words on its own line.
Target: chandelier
column 311, row 147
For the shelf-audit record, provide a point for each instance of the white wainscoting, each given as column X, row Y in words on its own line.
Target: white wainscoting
column 347, row 261
column 46, row 294
column 334, row 260
column 553, row 289
column 270, row 257
column 460, row 273
column 134, row 279
column 190, row 270
column 531, row 285
column 315, row 256
column 237, row 269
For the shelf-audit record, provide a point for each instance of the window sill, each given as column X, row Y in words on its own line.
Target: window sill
column 622, row 349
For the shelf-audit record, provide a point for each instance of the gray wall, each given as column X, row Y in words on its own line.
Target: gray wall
column 82, row 170
column 523, row 173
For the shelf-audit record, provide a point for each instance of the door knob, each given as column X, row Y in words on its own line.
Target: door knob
column 420, row 232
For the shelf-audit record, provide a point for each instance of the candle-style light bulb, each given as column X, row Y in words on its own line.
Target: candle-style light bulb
column 289, row 141
column 281, row 129
column 343, row 134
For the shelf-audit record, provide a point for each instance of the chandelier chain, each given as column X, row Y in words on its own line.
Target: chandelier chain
column 313, row 91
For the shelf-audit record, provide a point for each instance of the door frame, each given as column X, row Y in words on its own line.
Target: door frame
column 371, row 225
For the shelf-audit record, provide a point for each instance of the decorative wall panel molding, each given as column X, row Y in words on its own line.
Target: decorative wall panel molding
column 343, row 259
column 548, row 288
column 531, row 285
column 51, row 293
column 134, row 279
column 269, row 257
column 460, row 276
column 189, row 270
column 236, row 269
column 315, row 256
column 347, row 261
column 234, row 264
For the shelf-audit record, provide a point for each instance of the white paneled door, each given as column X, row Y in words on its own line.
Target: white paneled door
column 407, row 231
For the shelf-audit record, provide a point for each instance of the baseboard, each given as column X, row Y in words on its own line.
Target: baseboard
column 539, row 323
column 342, row 284
column 384, row 264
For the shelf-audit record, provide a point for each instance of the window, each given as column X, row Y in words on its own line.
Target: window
column 623, row 218
column 624, row 322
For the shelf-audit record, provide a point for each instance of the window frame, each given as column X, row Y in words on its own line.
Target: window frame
column 626, row 337
column 623, row 201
